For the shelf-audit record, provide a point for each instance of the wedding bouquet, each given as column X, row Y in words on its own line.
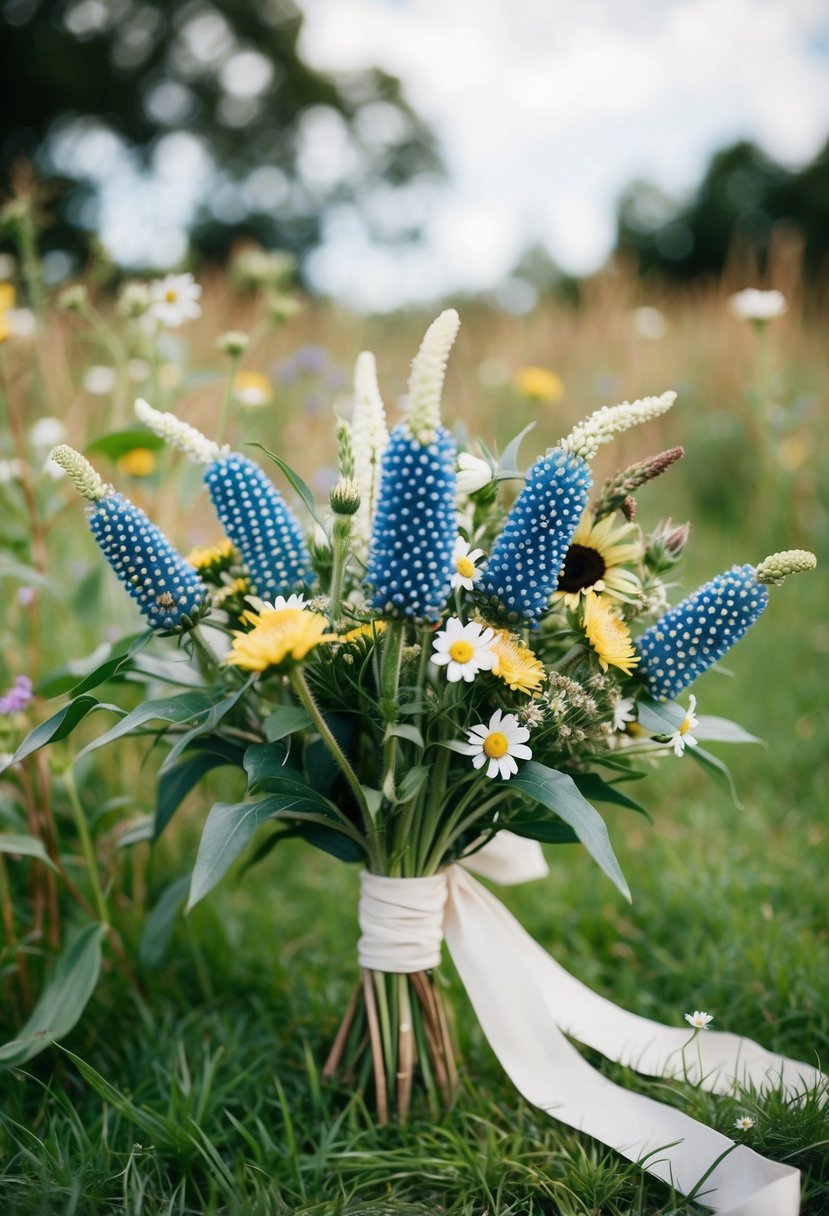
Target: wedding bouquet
column 430, row 681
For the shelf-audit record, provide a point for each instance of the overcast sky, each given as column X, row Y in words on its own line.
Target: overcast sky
column 546, row 109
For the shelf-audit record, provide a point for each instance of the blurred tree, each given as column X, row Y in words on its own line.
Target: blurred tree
column 741, row 197
column 203, row 112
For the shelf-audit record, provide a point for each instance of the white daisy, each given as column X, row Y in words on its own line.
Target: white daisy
column 752, row 304
column 464, row 650
column 497, row 745
column 699, row 1019
column 473, row 473
column 744, row 1123
column 623, row 713
column 292, row 601
column 682, row 737
column 99, row 380
column 174, row 300
column 466, row 572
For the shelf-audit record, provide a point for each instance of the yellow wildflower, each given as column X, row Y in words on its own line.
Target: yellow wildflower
column 516, row 664
column 212, row 558
column 7, row 298
column 370, row 630
column 608, row 634
column 139, row 462
column 287, row 634
column 252, row 388
column 539, row 384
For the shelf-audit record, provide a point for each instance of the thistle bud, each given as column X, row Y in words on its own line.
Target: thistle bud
column 233, row 343
column 620, row 487
column 345, row 497
column 72, row 299
column 665, row 545
column 774, row 569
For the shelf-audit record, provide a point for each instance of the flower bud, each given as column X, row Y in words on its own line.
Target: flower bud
column 73, row 298
column 233, row 343
column 345, row 497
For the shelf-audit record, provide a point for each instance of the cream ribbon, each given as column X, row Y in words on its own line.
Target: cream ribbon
column 526, row 1003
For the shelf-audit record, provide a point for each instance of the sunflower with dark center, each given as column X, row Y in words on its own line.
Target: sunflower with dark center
column 599, row 559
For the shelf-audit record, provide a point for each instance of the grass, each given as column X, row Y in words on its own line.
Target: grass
column 198, row 1091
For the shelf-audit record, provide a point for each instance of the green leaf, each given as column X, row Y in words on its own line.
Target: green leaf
column 412, row 782
column 177, row 782
column 539, row 826
column 401, row 730
column 21, row 573
column 183, row 707
column 113, row 666
column 721, row 730
column 660, row 717
column 205, row 725
column 26, row 846
column 717, row 768
column 595, row 789
column 264, row 762
column 296, row 481
column 158, row 928
column 117, row 443
column 140, row 830
column 330, row 840
column 63, row 1000
column 161, row 1132
column 61, row 724
column 509, row 457
column 559, row 793
column 285, row 720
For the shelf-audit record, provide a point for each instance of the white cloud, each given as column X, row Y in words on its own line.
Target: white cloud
column 546, row 109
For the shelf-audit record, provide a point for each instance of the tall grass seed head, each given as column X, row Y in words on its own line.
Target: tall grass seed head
column 523, row 571
column 693, row 636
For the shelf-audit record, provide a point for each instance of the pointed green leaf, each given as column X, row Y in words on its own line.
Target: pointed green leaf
column 721, row 730
column 182, row 708
column 284, row 721
column 660, row 717
column 61, row 724
column 597, row 790
column 158, row 928
column 117, row 443
column 509, row 457
column 23, row 845
column 264, row 762
column 177, row 782
column 401, row 730
column 296, row 481
column 717, row 768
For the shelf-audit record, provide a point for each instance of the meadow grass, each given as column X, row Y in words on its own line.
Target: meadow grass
column 197, row 1088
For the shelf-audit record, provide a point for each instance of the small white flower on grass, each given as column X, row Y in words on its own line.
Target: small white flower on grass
column 682, row 737
column 699, row 1019
column 752, row 304
column 464, row 650
column 464, row 558
column 174, row 300
column 623, row 713
column 473, row 473
column 744, row 1123
column 99, row 380
column 498, row 744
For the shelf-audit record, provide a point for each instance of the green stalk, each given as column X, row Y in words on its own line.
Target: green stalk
column 228, row 397
column 389, row 698
column 86, row 844
column 340, row 544
column 300, row 685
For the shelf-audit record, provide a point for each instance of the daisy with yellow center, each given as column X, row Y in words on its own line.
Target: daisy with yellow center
column 516, row 664
column 597, row 560
column 608, row 634
column 464, row 559
column 252, row 389
column 682, row 738
column 497, row 745
column 287, row 634
column 464, row 650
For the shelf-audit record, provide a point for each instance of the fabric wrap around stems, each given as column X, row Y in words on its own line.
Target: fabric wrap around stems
column 526, row 1004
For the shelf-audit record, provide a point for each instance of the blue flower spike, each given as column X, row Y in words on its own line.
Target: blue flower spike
column 252, row 512
column 693, row 636
column 169, row 592
column 413, row 536
column 523, row 571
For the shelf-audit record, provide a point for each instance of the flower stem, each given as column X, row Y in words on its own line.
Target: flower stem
column 390, row 699
column 305, row 695
column 86, row 844
column 228, row 397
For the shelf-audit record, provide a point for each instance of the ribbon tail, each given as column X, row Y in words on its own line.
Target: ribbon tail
column 517, row 991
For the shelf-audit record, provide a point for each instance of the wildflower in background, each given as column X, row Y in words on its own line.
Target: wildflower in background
column 649, row 323
column 464, row 650
column 174, row 300
column 134, row 300
column 252, row 389
column 234, row 343
column 369, row 439
column 100, row 381
column 699, row 1019
column 138, row 371
column 21, row 323
column 608, row 634
column 212, row 560
column 596, row 560
column 370, row 630
column 290, row 633
column 168, row 591
column 516, row 664
column 682, row 737
column 497, row 745
column 466, row 572
column 138, row 462
column 7, row 298
column 473, row 473
column 752, row 304
column 539, row 384
column 623, row 713
column 413, row 537
column 744, row 1123
column 170, row 375
column 17, row 698
column 47, row 433
column 10, row 470
column 26, row 596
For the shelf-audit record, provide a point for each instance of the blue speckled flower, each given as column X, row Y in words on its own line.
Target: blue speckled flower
column 695, row 634
column 255, row 517
column 169, row 592
column 410, row 562
column 523, row 570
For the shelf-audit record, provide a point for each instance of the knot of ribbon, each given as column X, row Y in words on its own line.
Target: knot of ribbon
column 527, row 1005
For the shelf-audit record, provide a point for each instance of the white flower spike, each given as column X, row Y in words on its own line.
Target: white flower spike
column 179, row 434
column 682, row 737
column 498, row 744
column 464, row 650
column 586, row 437
column 466, row 571
column 369, row 437
column 699, row 1019
column 427, row 375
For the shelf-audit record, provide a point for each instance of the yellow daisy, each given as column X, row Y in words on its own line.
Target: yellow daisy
column 252, row 389
column 7, row 298
column 539, row 384
column 138, row 462
column 608, row 634
column 212, row 559
column 597, row 560
column 370, row 630
column 277, row 636
column 516, row 664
